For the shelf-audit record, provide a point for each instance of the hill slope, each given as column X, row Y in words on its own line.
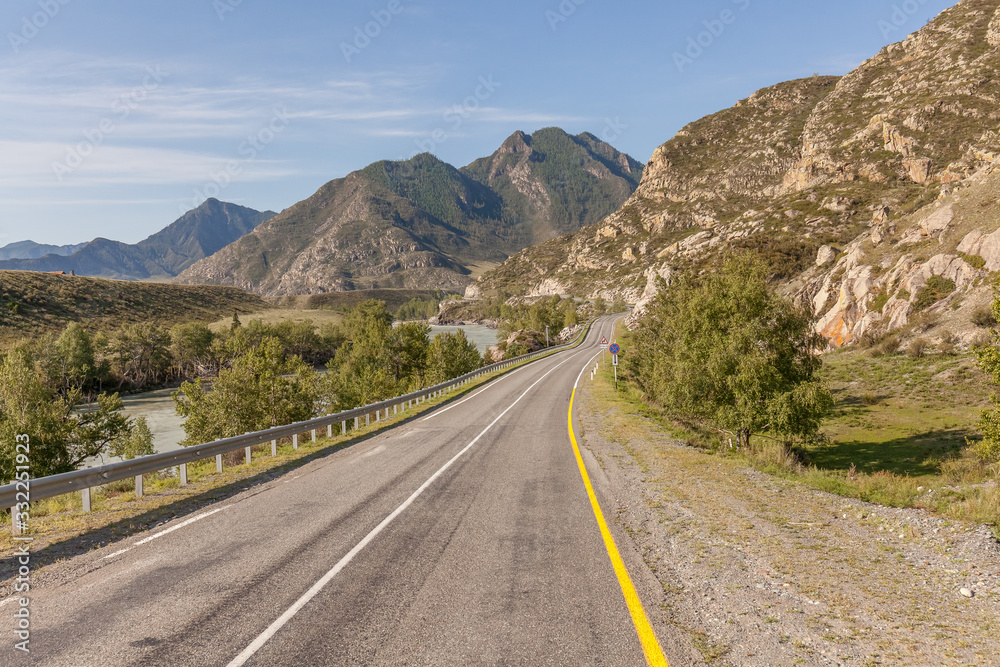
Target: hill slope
column 421, row 223
column 850, row 164
column 31, row 303
column 195, row 235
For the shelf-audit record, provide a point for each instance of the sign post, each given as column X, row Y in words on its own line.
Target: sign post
column 615, row 350
column 604, row 349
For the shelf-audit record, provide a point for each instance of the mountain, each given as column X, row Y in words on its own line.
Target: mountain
column 552, row 181
column 193, row 236
column 32, row 250
column 423, row 223
column 856, row 190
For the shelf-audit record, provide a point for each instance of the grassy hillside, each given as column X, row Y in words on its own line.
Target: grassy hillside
column 32, row 303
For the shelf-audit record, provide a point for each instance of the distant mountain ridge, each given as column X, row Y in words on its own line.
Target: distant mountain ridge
column 195, row 235
column 422, row 223
column 32, row 250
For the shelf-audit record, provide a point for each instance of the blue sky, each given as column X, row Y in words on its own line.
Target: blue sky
column 120, row 115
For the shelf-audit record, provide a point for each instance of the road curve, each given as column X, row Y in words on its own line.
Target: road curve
column 464, row 536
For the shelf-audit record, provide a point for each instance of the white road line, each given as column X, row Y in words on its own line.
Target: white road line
column 489, row 386
column 8, row 601
column 263, row 638
column 167, row 531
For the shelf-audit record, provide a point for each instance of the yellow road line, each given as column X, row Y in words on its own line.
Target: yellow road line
column 650, row 645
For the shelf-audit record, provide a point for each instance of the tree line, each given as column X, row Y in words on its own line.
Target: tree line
column 262, row 384
column 63, row 390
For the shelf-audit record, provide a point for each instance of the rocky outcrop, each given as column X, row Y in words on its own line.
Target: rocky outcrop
column 985, row 246
column 852, row 188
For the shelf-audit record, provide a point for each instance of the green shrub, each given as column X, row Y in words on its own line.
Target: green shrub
column 888, row 345
column 937, row 288
column 918, row 348
column 983, row 317
column 975, row 261
column 879, row 302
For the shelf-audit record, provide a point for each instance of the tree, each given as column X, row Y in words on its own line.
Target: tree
column 410, row 344
column 75, row 349
column 365, row 367
column 63, row 431
column 724, row 350
column 140, row 354
column 262, row 388
column 570, row 317
column 988, row 449
column 451, row 355
column 191, row 345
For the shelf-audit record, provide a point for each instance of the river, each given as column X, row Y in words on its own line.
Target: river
column 168, row 428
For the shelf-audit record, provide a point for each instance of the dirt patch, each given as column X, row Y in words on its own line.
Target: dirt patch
column 764, row 571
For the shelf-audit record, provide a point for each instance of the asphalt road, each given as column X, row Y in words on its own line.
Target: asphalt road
column 461, row 537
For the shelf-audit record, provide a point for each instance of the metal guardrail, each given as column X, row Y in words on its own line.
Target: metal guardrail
column 50, row 486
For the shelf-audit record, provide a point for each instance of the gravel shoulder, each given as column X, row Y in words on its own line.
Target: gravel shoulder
column 764, row 571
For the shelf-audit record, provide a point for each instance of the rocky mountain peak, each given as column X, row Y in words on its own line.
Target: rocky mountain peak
column 519, row 142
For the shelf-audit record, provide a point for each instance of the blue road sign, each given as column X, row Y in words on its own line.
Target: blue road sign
column 615, row 349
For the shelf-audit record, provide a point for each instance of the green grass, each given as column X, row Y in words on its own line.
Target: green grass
column 899, row 414
column 897, row 436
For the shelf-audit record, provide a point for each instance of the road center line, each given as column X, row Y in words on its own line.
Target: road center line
column 167, row 531
column 272, row 629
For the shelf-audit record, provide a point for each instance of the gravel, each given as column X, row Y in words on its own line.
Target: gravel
column 764, row 571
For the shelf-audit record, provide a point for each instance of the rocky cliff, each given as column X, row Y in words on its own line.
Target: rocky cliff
column 857, row 190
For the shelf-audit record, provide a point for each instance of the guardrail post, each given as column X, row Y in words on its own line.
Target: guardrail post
column 295, row 441
column 329, row 430
column 138, row 486
column 394, row 406
column 184, row 474
column 274, row 448
column 15, row 525
column 343, row 427
column 314, row 435
column 218, row 462
column 355, row 423
column 86, row 499
column 248, row 455
column 368, row 421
